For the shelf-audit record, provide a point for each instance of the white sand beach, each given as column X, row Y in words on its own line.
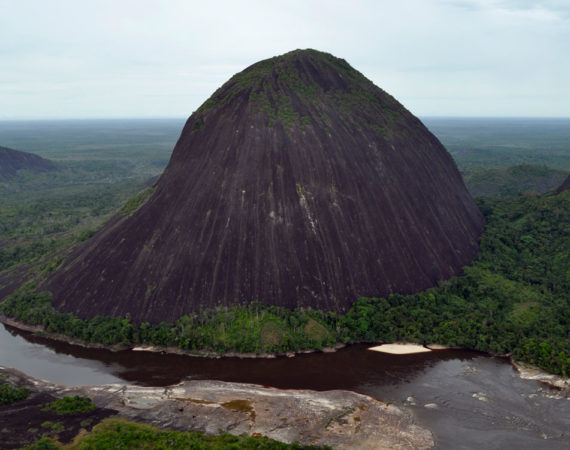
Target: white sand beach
column 400, row 349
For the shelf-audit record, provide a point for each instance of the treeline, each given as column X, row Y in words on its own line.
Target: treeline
column 514, row 299
column 253, row 328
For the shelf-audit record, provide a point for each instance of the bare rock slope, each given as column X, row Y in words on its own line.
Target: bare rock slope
column 298, row 183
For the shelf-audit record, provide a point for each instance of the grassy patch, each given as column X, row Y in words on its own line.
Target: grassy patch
column 10, row 394
column 70, row 405
column 119, row 433
column 44, row 444
column 272, row 335
column 136, row 202
column 315, row 331
column 380, row 130
column 55, row 427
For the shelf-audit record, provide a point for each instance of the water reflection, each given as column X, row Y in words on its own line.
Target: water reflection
column 468, row 400
column 348, row 368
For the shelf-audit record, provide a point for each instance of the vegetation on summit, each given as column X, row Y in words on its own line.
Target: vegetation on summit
column 278, row 84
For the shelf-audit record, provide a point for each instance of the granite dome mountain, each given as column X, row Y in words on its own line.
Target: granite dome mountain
column 297, row 183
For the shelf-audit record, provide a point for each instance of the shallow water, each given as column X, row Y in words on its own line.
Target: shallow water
column 473, row 400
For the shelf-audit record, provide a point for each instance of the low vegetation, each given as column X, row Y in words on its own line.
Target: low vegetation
column 119, row 433
column 136, row 202
column 10, row 394
column 70, row 405
column 266, row 82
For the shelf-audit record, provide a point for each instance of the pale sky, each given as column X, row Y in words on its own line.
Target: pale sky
column 150, row 58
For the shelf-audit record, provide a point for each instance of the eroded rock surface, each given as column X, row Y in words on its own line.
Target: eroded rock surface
column 530, row 372
column 299, row 183
column 341, row 419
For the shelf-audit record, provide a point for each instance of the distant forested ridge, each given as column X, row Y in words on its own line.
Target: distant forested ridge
column 564, row 186
column 512, row 181
column 504, row 142
column 14, row 162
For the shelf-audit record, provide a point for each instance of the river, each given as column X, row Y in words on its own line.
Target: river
column 469, row 400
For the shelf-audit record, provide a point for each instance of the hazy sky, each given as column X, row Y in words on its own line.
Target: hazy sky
column 142, row 58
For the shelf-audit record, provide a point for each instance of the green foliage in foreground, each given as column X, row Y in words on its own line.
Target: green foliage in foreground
column 119, row 433
column 10, row 394
column 70, row 405
column 514, row 299
column 43, row 444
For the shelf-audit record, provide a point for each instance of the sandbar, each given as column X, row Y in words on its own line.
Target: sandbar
column 400, row 349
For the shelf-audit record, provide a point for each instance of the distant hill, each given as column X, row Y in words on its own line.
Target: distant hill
column 564, row 186
column 504, row 142
column 516, row 180
column 14, row 161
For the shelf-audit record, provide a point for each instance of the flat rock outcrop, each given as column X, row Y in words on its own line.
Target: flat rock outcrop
column 341, row 419
column 299, row 183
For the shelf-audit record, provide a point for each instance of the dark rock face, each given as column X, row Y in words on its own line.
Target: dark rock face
column 13, row 161
column 564, row 186
column 298, row 183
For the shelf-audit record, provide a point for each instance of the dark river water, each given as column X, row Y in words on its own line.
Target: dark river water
column 468, row 400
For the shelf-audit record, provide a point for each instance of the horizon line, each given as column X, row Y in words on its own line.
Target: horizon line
column 426, row 116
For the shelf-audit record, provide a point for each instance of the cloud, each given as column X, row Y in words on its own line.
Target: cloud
column 105, row 58
column 527, row 9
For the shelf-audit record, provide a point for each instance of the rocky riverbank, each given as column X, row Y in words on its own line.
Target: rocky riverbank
column 529, row 372
column 341, row 419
